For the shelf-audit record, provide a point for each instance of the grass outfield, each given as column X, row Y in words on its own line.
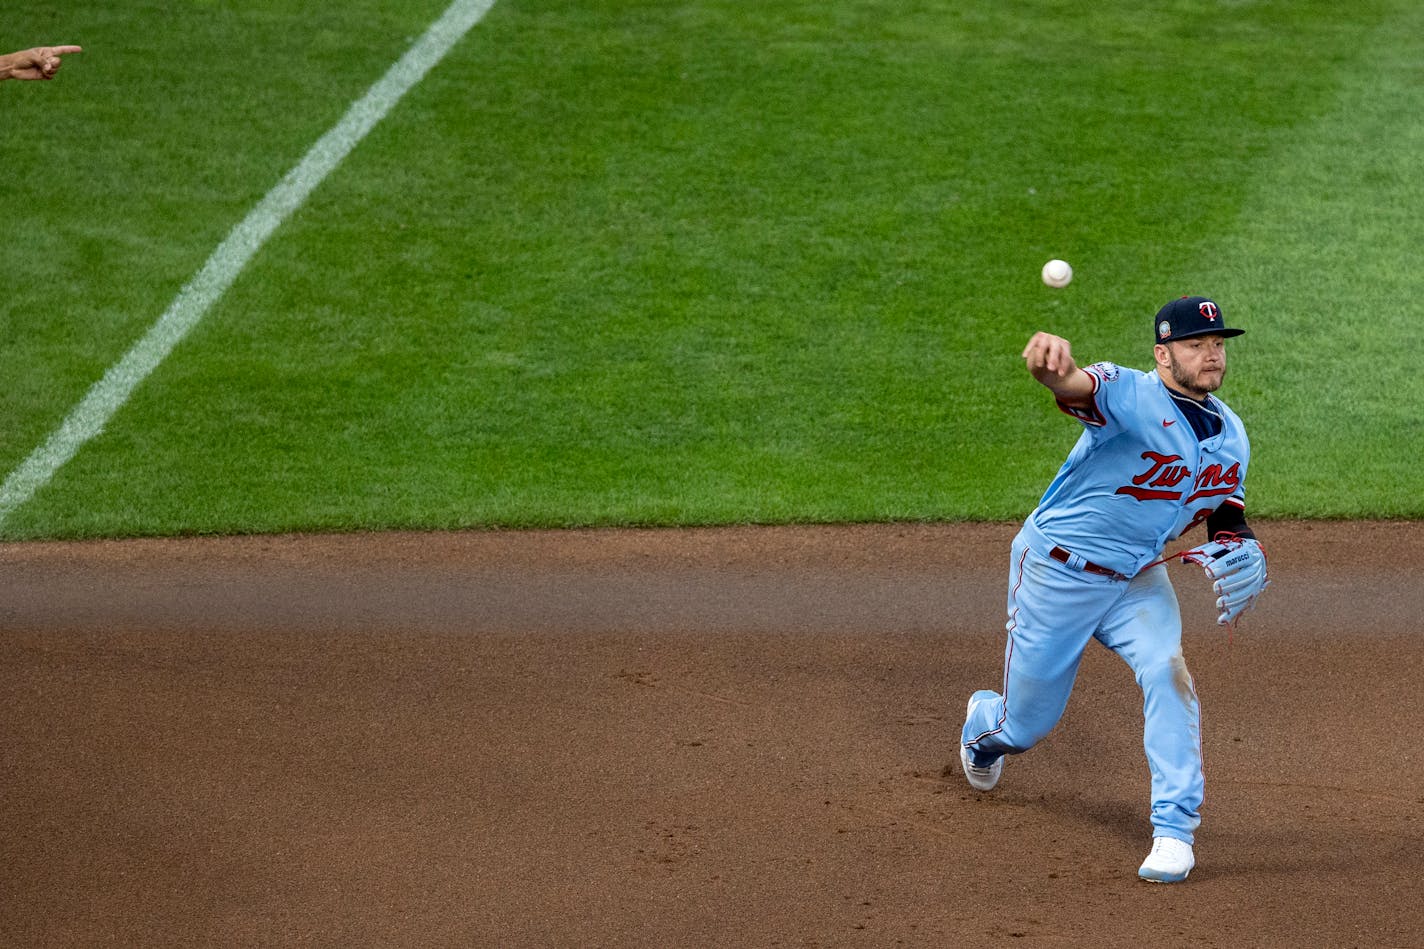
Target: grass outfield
column 709, row 262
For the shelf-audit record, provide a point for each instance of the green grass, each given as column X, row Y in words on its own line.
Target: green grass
column 707, row 262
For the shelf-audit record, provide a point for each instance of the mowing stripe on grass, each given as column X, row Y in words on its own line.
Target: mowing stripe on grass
column 108, row 395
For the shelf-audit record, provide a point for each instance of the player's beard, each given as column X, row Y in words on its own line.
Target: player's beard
column 1192, row 385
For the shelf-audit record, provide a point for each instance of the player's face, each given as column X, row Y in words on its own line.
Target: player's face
column 1197, row 365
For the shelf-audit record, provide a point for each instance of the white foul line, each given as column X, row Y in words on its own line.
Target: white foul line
column 108, row 395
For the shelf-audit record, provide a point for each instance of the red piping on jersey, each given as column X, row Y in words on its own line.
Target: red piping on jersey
column 1201, row 754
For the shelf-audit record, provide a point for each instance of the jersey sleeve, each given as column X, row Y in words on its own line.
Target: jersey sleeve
column 1110, row 393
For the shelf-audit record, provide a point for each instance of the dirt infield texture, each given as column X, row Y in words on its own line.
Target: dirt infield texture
column 729, row 737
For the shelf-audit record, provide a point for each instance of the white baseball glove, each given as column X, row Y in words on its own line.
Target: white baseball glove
column 1237, row 568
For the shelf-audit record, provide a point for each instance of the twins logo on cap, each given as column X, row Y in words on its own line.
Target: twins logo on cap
column 1191, row 316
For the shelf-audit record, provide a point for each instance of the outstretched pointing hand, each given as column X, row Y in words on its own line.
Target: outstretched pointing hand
column 42, row 62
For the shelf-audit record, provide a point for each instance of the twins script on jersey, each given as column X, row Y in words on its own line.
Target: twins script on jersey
column 1151, row 479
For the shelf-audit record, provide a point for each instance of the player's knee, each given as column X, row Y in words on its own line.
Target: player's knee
column 1171, row 674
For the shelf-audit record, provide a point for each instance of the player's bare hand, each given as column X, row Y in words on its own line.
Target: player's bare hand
column 42, row 62
column 1049, row 358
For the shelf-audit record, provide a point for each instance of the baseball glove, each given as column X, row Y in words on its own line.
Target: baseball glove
column 1237, row 568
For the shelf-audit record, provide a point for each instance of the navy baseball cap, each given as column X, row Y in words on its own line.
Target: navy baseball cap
column 1188, row 317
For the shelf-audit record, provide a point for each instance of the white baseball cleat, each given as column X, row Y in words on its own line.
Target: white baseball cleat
column 979, row 778
column 1169, row 862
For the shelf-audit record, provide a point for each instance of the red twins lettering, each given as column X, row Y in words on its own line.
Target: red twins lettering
column 1213, row 482
column 1165, row 472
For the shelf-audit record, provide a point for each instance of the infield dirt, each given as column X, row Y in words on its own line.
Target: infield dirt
column 729, row 737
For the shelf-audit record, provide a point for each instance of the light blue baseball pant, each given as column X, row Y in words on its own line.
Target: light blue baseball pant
column 1053, row 612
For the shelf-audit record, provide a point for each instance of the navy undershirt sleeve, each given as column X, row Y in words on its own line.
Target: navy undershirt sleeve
column 1228, row 519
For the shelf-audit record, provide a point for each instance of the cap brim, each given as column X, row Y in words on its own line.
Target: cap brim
column 1220, row 332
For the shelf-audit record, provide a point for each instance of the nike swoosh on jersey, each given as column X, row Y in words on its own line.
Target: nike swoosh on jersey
column 1168, row 422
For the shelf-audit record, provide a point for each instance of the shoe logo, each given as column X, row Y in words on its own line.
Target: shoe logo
column 1168, row 422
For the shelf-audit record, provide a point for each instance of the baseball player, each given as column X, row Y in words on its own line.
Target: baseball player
column 1158, row 455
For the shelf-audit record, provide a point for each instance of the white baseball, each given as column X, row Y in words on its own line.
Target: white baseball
column 1057, row 273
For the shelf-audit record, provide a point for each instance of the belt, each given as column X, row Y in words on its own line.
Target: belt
column 1078, row 563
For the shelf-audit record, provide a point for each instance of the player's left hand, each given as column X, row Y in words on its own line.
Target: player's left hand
column 1237, row 568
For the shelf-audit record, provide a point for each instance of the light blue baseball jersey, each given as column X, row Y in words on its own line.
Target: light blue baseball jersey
column 1150, row 479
